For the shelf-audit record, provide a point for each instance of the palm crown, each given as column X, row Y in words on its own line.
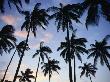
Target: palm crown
column 20, row 47
column 26, row 76
column 95, row 8
column 77, row 46
column 43, row 51
column 64, row 15
column 52, row 65
column 88, row 69
column 7, row 39
column 16, row 3
column 100, row 50
column 37, row 18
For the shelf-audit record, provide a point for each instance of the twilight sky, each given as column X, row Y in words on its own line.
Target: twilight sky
column 52, row 38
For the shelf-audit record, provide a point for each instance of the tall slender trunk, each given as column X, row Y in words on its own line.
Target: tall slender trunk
column 74, row 70
column 37, row 69
column 70, row 67
column 21, row 57
column 49, row 75
column 8, row 66
column 90, row 78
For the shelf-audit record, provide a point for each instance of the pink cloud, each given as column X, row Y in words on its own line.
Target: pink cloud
column 47, row 37
column 9, row 19
column 21, row 34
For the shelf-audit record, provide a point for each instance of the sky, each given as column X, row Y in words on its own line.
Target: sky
column 51, row 38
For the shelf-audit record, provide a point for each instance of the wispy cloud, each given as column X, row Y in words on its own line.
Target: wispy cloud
column 21, row 34
column 9, row 19
column 47, row 37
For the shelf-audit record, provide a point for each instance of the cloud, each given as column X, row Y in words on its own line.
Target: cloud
column 9, row 19
column 21, row 34
column 47, row 37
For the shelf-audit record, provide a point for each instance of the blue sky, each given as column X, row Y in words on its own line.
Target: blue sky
column 52, row 38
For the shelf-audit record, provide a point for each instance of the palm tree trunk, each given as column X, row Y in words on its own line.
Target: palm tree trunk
column 8, row 66
column 70, row 67
column 70, row 71
column 90, row 78
column 19, row 64
column 49, row 75
column 37, row 69
column 74, row 70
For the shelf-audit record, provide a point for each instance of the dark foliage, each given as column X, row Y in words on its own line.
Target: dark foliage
column 26, row 76
column 7, row 39
column 100, row 50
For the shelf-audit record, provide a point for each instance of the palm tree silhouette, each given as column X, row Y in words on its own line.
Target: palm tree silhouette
column 43, row 51
column 49, row 67
column 26, row 76
column 63, row 18
column 88, row 69
column 100, row 50
column 7, row 81
column 37, row 18
column 95, row 8
column 19, row 49
column 77, row 46
column 7, row 39
column 16, row 3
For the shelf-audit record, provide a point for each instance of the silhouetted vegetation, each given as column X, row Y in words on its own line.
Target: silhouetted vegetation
column 49, row 67
column 43, row 51
column 72, row 47
column 88, row 70
column 26, row 76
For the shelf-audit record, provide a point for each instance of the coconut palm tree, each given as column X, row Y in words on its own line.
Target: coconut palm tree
column 19, row 49
column 26, row 76
column 49, row 67
column 7, row 39
column 37, row 18
column 77, row 47
column 100, row 50
column 64, row 15
column 16, row 3
column 88, row 70
column 43, row 51
column 95, row 9
column 7, row 81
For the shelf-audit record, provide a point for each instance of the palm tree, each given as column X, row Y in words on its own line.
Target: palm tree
column 37, row 18
column 49, row 67
column 95, row 9
column 26, row 76
column 7, row 39
column 7, row 81
column 16, row 3
column 64, row 15
column 19, row 49
column 43, row 51
column 88, row 69
column 100, row 50
column 77, row 46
